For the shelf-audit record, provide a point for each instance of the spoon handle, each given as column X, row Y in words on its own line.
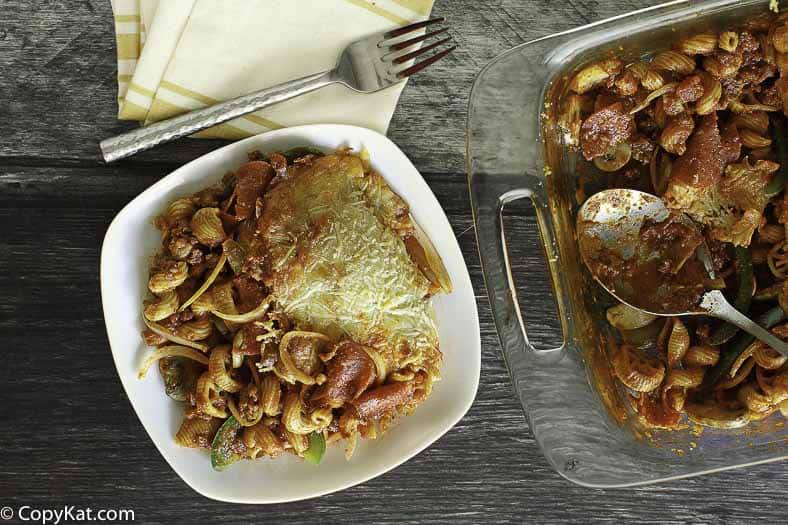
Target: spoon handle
column 715, row 304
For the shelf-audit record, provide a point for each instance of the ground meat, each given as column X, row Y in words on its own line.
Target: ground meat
column 690, row 89
column 781, row 210
column 186, row 290
column 210, row 197
column 153, row 339
column 249, row 344
column 703, row 332
column 642, row 149
column 731, row 143
column 754, row 75
column 770, row 95
column 719, row 252
column 253, row 177
column 279, row 163
column 748, row 44
column 605, row 99
column 702, row 164
column 269, row 355
column 626, row 84
column 604, row 129
column 723, row 64
column 250, row 293
column 195, row 256
column 732, row 88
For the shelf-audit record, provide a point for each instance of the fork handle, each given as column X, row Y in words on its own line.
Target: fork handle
column 715, row 304
column 147, row 137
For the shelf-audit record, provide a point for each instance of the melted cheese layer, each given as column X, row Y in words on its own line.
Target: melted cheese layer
column 338, row 266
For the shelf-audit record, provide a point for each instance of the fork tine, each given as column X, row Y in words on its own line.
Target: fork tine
column 407, row 43
column 412, row 27
column 415, row 68
column 420, row 51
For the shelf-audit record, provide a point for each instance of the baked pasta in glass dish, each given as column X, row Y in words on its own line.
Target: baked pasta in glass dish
column 702, row 125
column 291, row 307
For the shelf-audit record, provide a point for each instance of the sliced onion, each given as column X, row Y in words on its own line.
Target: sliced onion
column 667, row 88
column 248, row 316
column 171, row 336
column 171, row 351
column 208, row 282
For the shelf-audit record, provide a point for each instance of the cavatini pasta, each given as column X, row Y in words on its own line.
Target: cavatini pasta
column 290, row 307
column 701, row 125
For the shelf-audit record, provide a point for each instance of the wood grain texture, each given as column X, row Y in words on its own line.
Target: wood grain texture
column 68, row 433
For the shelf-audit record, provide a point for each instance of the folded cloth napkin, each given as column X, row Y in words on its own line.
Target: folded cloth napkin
column 161, row 37
column 199, row 52
column 127, row 42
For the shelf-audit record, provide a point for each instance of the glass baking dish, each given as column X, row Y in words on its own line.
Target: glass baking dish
column 578, row 415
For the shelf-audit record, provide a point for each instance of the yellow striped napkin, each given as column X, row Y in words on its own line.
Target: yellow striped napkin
column 199, row 52
column 162, row 36
column 147, row 12
column 127, row 41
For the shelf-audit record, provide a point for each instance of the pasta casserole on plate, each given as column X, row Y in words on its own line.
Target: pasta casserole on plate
column 291, row 307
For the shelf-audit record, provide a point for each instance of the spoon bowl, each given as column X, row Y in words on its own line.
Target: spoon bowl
column 654, row 259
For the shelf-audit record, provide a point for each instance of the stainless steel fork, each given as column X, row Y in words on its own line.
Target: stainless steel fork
column 367, row 65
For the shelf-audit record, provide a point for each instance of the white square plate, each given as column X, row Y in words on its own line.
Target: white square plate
column 130, row 242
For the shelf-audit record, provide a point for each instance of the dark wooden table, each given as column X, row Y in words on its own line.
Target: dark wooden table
column 68, row 434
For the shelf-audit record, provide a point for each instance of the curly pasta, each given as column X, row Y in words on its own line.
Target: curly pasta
column 209, row 397
column 180, row 211
column 751, row 139
column 261, row 441
column 297, row 420
column 169, row 277
column 164, row 306
column 728, row 41
column 590, row 77
column 673, row 62
column 704, row 355
column 220, row 369
column 636, row 370
column 712, row 92
column 196, row 330
column 757, row 121
column 650, row 80
column 197, row 432
column 701, row 44
column 207, row 226
column 678, row 343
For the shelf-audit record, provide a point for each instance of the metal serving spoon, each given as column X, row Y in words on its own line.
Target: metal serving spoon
column 654, row 259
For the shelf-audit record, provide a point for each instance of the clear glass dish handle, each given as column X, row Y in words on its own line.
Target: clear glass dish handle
column 491, row 237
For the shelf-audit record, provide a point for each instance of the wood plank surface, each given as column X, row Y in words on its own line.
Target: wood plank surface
column 68, row 433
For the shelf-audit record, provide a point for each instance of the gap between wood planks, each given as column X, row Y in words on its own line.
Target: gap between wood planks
column 27, row 182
